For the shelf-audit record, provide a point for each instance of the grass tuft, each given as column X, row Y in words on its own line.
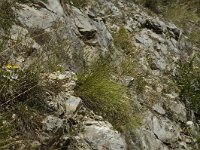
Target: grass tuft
column 122, row 40
column 189, row 83
column 106, row 97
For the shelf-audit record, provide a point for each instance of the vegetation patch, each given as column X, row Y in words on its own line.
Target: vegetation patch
column 7, row 16
column 189, row 84
column 122, row 40
column 107, row 97
column 79, row 3
column 131, row 68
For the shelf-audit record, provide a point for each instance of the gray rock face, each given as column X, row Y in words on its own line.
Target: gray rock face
column 176, row 32
column 150, row 142
column 177, row 110
column 100, row 136
column 104, row 37
column 84, row 25
column 33, row 18
column 165, row 130
column 92, row 135
column 115, row 10
column 144, row 39
column 156, row 25
column 128, row 81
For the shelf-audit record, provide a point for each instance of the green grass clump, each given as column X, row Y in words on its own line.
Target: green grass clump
column 7, row 16
column 6, row 131
column 106, row 97
column 78, row 3
column 131, row 67
column 122, row 40
column 22, row 95
column 195, row 36
column 189, row 83
column 180, row 15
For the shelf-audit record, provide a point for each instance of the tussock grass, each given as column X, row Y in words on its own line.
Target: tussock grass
column 106, row 97
column 79, row 3
column 7, row 16
column 189, row 83
column 122, row 40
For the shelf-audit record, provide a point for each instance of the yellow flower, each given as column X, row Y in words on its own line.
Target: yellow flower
column 16, row 67
column 9, row 66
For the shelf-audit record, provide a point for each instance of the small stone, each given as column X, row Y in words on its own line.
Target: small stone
column 188, row 140
column 72, row 104
column 158, row 108
column 35, row 144
column 183, row 145
column 190, row 123
column 51, row 123
column 128, row 80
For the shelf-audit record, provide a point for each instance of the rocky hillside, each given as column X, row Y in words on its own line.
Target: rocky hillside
column 96, row 75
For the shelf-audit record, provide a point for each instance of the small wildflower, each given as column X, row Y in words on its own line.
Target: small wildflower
column 9, row 66
column 16, row 67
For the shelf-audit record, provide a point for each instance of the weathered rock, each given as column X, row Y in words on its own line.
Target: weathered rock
column 84, row 25
column 177, row 109
column 150, row 142
column 52, row 123
column 100, row 136
column 158, row 48
column 144, row 39
column 33, row 18
column 156, row 25
column 158, row 108
column 115, row 10
column 176, row 32
column 104, row 36
column 128, row 80
column 72, row 104
column 164, row 129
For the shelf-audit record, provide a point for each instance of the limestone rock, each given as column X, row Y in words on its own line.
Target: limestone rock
column 158, row 108
column 72, row 104
column 156, row 25
column 52, row 123
column 100, row 136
